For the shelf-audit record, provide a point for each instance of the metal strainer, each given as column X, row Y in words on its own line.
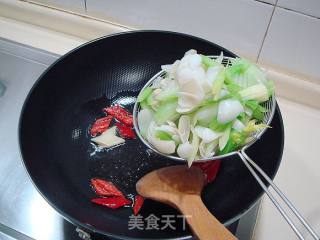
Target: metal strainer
column 254, row 169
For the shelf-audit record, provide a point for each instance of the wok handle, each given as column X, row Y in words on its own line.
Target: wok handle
column 202, row 223
column 254, row 168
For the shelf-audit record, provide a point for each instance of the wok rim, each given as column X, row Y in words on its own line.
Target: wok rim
column 92, row 229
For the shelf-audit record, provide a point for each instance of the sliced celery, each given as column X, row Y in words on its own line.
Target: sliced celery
column 217, row 84
column 270, row 86
column 230, row 147
column 167, row 95
column 144, row 104
column 162, row 135
column 218, row 127
column 166, row 112
column 144, row 94
column 208, row 62
column 257, row 92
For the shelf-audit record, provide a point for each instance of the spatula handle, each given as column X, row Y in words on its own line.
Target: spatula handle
column 203, row 224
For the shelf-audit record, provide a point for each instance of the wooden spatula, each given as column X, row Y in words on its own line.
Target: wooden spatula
column 180, row 187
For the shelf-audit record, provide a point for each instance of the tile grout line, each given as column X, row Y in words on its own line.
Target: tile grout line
column 299, row 12
column 33, row 2
column 266, row 32
column 85, row 6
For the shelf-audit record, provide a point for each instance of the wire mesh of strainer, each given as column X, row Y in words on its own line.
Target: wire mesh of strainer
column 270, row 106
column 254, row 169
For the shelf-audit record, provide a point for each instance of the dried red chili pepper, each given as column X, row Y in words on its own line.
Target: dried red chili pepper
column 120, row 114
column 105, row 188
column 112, row 202
column 125, row 131
column 138, row 202
column 100, row 125
column 210, row 169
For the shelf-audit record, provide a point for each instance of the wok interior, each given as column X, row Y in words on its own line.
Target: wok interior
column 60, row 159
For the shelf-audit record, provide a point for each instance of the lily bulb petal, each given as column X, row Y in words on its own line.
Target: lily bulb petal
column 191, row 51
column 195, row 144
column 187, row 102
column 185, row 150
column 145, row 117
column 168, row 129
column 166, row 147
column 202, row 150
column 210, row 148
column 190, row 61
column 206, row 134
column 184, row 128
column 212, row 74
column 228, row 110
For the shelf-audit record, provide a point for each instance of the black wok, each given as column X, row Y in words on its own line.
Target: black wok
column 69, row 96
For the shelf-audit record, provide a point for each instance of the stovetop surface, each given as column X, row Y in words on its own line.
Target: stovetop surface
column 24, row 214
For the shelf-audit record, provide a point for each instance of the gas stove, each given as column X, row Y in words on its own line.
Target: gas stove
column 24, row 214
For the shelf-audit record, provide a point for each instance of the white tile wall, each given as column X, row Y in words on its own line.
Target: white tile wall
column 293, row 43
column 298, row 175
column 238, row 25
column 72, row 5
column 311, row 7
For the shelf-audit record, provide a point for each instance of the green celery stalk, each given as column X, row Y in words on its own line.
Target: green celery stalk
column 144, row 104
column 270, row 86
column 207, row 62
column 230, row 147
column 218, row 127
column 144, row 94
column 163, row 135
column 218, row 83
column 166, row 112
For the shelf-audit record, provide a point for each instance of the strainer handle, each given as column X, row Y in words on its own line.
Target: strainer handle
column 254, row 168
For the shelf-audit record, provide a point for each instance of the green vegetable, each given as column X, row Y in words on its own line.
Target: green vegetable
column 144, row 94
column 144, row 104
column 162, row 135
column 257, row 110
column 206, row 114
column 208, row 62
column 150, row 100
column 257, row 114
column 253, row 127
column 218, row 127
column 166, row 112
column 257, row 92
column 270, row 86
column 244, row 118
column 217, row 84
column 244, row 73
column 230, row 147
column 233, row 88
column 236, row 93
column 167, row 95
column 238, row 138
column 223, row 140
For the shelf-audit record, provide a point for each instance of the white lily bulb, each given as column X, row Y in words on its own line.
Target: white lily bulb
column 228, row 110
